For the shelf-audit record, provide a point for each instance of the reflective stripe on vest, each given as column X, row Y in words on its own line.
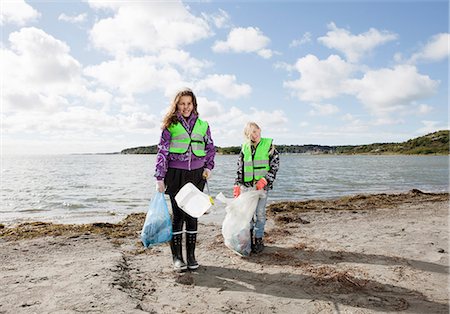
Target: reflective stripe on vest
column 256, row 168
column 180, row 139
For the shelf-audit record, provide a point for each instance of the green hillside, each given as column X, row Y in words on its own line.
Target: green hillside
column 141, row 150
column 432, row 143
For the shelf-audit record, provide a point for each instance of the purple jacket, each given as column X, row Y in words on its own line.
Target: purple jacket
column 186, row 161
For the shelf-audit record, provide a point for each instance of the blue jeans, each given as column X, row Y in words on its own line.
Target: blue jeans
column 259, row 219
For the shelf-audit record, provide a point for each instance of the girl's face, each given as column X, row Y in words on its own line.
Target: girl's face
column 255, row 136
column 185, row 106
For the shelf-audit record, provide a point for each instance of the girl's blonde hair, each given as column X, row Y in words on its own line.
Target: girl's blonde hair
column 171, row 116
column 248, row 130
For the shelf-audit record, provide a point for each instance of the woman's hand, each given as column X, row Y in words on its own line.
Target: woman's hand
column 160, row 186
column 206, row 173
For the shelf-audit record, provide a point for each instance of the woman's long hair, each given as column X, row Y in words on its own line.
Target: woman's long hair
column 171, row 117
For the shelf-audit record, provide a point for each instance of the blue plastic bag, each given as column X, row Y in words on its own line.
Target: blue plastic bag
column 157, row 227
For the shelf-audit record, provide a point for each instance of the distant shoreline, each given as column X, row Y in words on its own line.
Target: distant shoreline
column 436, row 143
column 306, row 154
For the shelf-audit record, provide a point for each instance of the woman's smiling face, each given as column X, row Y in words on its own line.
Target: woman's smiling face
column 185, row 106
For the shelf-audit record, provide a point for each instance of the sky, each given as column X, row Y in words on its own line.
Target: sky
column 98, row 76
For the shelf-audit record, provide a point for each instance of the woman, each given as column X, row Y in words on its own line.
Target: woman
column 185, row 154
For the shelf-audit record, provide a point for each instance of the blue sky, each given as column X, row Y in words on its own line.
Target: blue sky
column 98, row 76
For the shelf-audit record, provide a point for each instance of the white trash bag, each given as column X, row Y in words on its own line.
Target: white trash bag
column 236, row 225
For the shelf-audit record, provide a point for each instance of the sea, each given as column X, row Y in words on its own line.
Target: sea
column 106, row 188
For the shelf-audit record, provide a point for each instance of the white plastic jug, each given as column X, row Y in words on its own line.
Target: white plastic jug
column 192, row 201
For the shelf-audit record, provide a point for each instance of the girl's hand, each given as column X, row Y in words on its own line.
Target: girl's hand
column 236, row 191
column 261, row 184
column 160, row 187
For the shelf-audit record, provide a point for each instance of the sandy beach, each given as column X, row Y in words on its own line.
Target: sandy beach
column 358, row 254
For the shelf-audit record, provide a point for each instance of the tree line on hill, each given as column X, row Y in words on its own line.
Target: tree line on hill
column 433, row 143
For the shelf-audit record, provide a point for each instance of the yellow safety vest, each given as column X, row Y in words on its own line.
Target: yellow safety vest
column 180, row 139
column 257, row 167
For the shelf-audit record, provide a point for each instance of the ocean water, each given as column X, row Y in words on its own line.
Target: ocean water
column 106, row 188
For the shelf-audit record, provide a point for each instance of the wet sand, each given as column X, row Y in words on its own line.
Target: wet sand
column 359, row 254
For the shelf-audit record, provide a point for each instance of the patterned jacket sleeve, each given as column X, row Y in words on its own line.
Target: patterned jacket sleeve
column 210, row 150
column 274, row 163
column 161, row 156
column 240, row 170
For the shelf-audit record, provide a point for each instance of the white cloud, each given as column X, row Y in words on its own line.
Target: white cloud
column 164, row 72
column 398, row 57
column 306, row 38
column 66, row 145
column 323, row 110
column 265, row 53
column 146, row 27
column 220, row 20
column 209, row 109
column 185, row 62
column 17, row 12
column 353, row 123
column 80, row 18
column 436, row 49
column 348, row 117
column 355, row 46
column 79, row 120
column 36, row 81
column 236, row 118
column 386, row 91
column 378, row 90
column 138, row 122
column 133, row 75
column 49, row 96
column 391, row 90
column 424, row 109
column 284, row 66
column 105, row 5
column 320, row 79
column 385, row 120
column 34, row 101
column 247, row 40
column 431, row 126
column 224, row 85
column 227, row 125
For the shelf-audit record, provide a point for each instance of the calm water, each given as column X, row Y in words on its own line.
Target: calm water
column 86, row 188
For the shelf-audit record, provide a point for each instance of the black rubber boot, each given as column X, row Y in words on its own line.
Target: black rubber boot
column 177, row 253
column 191, row 239
column 259, row 245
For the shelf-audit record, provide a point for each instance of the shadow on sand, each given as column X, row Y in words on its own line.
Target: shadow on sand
column 294, row 255
column 320, row 281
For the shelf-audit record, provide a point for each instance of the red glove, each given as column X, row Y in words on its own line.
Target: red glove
column 261, row 184
column 236, row 191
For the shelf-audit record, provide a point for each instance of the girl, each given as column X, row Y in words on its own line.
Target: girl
column 185, row 154
column 257, row 167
